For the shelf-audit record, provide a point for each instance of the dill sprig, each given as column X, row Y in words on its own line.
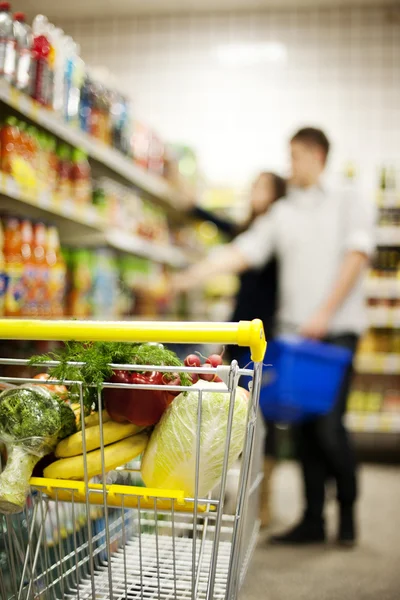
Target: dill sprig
column 96, row 357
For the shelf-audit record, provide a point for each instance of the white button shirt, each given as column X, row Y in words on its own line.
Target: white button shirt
column 310, row 232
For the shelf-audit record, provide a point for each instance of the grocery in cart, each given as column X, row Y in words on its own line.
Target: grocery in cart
column 116, row 462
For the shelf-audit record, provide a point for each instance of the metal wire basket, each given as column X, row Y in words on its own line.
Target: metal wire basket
column 112, row 538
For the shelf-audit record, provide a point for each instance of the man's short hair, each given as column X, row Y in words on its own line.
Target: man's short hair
column 311, row 136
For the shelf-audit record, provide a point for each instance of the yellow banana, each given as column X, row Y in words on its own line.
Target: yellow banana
column 112, row 432
column 93, row 419
column 115, row 455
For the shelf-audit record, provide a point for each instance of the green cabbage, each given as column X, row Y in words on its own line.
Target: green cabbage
column 169, row 461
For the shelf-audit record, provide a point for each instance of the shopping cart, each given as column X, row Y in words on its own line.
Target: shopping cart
column 103, row 540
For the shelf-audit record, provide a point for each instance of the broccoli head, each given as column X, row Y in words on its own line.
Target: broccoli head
column 68, row 420
column 32, row 421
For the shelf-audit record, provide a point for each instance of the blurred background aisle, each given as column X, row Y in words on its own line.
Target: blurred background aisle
column 369, row 572
column 130, row 130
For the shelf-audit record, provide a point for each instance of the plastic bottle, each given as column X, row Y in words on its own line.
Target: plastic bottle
column 57, row 58
column 3, row 276
column 74, row 80
column 7, row 42
column 29, row 273
column 32, row 147
column 105, row 284
column 80, row 300
column 41, row 76
column 41, row 291
column 24, row 40
column 57, row 273
column 52, row 166
column 14, row 297
column 81, row 177
column 10, row 138
column 85, row 105
column 63, row 188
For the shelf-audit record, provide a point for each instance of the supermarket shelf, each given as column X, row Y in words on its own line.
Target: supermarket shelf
column 388, row 236
column 382, row 316
column 382, row 287
column 120, row 240
column 374, row 422
column 83, row 225
column 388, row 199
column 150, row 183
column 378, row 363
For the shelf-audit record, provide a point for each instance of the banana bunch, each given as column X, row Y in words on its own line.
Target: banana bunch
column 122, row 443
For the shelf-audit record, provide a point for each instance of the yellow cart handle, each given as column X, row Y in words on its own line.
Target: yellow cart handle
column 244, row 333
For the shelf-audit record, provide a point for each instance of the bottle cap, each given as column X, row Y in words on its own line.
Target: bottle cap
column 5, row 6
column 19, row 16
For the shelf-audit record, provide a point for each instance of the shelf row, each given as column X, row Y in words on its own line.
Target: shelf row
column 82, row 225
column 382, row 287
column 153, row 185
column 388, row 235
column 373, row 422
column 378, row 363
column 383, row 316
column 388, row 199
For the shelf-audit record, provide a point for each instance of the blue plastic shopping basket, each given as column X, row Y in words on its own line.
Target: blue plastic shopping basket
column 301, row 379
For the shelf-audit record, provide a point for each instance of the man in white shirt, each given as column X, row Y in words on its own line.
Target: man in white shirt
column 322, row 241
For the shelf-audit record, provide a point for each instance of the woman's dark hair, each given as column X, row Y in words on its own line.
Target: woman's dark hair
column 280, row 186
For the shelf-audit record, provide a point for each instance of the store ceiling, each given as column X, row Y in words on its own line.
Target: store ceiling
column 79, row 9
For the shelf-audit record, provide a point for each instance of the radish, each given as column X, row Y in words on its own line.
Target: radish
column 215, row 360
column 192, row 360
column 207, row 376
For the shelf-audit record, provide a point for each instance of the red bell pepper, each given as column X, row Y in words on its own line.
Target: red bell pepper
column 141, row 407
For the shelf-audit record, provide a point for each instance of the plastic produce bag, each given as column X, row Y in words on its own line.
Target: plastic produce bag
column 31, row 422
column 169, row 461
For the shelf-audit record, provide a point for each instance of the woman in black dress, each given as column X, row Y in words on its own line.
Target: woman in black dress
column 256, row 298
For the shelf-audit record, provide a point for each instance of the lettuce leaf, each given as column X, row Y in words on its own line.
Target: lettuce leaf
column 169, row 461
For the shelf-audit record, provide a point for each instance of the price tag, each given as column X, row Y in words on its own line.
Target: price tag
column 378, row 365
column 14, row 97
column 44, row 199
column 369, row 423
column 12, row 187
column 69, row 208
column 386, row 423
column 25, row 104
column 91, row 215
column 392, row 363
column 357, row 422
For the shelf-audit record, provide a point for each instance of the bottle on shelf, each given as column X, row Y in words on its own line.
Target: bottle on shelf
column 81, row 283
column 57, row 64
column 41, row 74
column 63, row 187
column 7, row 42
column 3, row 275
column 57, row 273
column 41, row 291
column 81, row 177
column 10, row 140
column 29, row 272
column 24, row 40
column 383, row 179
column 74, row 74
column 14, row 297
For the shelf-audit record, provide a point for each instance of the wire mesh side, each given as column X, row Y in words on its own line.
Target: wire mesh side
column 57, row 549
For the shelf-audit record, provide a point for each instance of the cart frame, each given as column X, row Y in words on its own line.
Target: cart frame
column 204, row 552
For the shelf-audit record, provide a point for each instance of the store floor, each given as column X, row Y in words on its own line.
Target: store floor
column 369, row 572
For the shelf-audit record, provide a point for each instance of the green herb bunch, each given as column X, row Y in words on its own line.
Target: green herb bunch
column 96, row 358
